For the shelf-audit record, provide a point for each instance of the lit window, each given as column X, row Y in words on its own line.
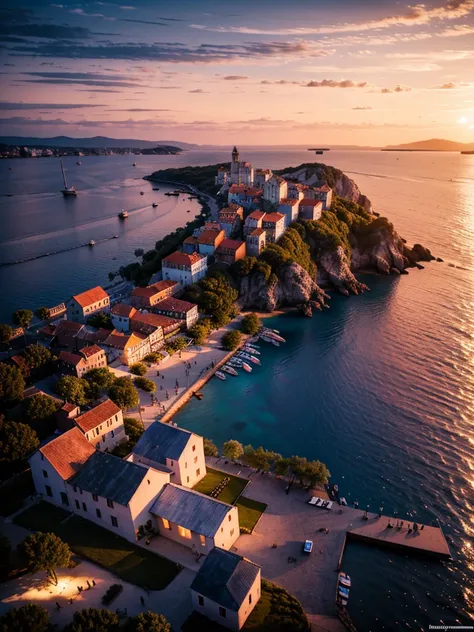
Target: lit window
column 202, row 539
column 166, row 523
column 184, row 533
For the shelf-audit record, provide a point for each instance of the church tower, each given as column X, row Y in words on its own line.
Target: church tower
column 235, row 155
column 234, row 167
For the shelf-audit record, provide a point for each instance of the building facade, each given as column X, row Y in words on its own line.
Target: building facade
column 81, row 306
column 274, row 226
column 209, row 240
column 275, row 189
column 230, row 251
column 256, row 242
column 310, row 209
column 253, row 221
column 103, row 426
column 82, row 361
column 120, row 315
column 289, row 208
column 184, row 268
column 178, row 309
column 146, row 297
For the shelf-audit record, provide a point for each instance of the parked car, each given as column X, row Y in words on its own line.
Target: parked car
column 308, row 546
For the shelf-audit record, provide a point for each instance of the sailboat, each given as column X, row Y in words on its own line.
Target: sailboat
column 67, row 191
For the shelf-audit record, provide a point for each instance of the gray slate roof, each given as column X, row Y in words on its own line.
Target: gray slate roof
column 161, row 441
column 225, row 578
column 110, row 477
column 191, row 510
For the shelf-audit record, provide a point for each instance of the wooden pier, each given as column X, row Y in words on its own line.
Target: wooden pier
column 375, row 530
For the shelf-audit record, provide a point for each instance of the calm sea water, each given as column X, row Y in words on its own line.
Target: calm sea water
column 380, row 387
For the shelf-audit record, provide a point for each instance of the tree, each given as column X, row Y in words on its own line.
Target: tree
column 111, row 276
column 250, row 324
column 101, row 320
column 244, row 266
column 43, row 313
column 260, row 458
column 148, row 622
column 231, row 340
column 6, row 333
column 17, row 441
column 221, row 317
column 45, row 552
column 232, row 449
column 139, row 252
column 316, row 473
column 210, row 448
column 200, row 331
column 72, row 389
column 12, row 385
column 37, row 356
column 145, row 384
column 282, row 467
column 40, row 407
column 138, row 369
column 123, row 393
column 134, row 428
column 176, row 344
column 93, row 620
column 29, row 618
column 23, row 318
column 100, row 379
column 153, row 357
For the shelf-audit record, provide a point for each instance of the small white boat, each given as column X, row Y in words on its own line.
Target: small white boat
column 247, row 356
column 78, row 163
column 92, row 242
column 271, row 334
column 246, row 367
column 155, row 204
column 251, row 350
column 344, row 579
column 275, row 343
column 67, row 191
column 237, row 362
column 220, row 375
column 228, row 369
column 252, row 345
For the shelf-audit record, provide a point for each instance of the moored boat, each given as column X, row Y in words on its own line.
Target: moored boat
column 251, row 350
column 220, row 375
column 247, row 356
column 269, row 333
column 92, row 242
column 237, row 362
column 134, row 164
column 344, row 579
column 246, row 367
column 142, row 192
column 67, row 191
column 171, row 193
column 228, row 369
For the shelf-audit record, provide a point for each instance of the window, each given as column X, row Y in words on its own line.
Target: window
column 78, row 506
column 75, row 488
column 95, row 497
column 187, row 479
column 49, row 491
column 198, row 472
column 195, row 459
column 166, row 524
column 84, row 506
column 98, row 513
column 103, row 438
column 200, row 600
column 202, row 540
column 80, row 491
column 194, row 448
column 148, row 481
column 230, row 517
column 64, row 499
column 110, row 503
column 185, row 465
column 184, row 533
column 42, row 456
column 97, row 445
column 250, row 598
column 45, row 473
column 231, row 532
column 114, row 521
column 222, row 612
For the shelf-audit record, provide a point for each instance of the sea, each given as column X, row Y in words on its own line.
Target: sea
column 380, row 386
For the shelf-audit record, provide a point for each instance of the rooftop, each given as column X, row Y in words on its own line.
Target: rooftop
column 99, row 414
column 108, row 476
column 68, row 452
column 288, row 202
column 161, row 441
column 273, row 218
column 191, row 240
column 67, row 326
column 91, row 296
column 209, row 237
column 190, row 509
column 148, row 319
column 256, row 231
column 256, row 215
column 310, row 202
column 229, row 244
column 164, row 285
column 120, row 309
column 70, row 358
column 225, row 578
column 182, row 258
column 144, row 292
column 90, row 351
column 172, row 304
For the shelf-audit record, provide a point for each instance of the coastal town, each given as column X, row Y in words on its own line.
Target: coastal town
column 108, row 369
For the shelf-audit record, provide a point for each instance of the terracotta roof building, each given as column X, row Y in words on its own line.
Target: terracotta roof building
column 103, row 425
column 256, row 242
column 146, row 297
column 310, row 209
column 184, row 268
column 67, row 453
column 82, row 361
column 274, row 225
column 254, row 220
column 81, row 306
column 230, row 251
column 178, row 309
column 209, row 240
column 120, row 315
column 66, row 333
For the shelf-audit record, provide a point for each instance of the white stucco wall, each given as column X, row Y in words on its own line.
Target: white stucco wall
column 189, row 463
column 38, row 463
column 106, row 437
column 146, row 495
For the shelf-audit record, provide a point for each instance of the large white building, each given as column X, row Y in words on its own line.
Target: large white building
column 275, row 189
column 240, row 172
column 184, row 268
column 81, row 306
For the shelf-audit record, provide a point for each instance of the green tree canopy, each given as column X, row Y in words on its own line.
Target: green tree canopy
column 123, row 393
column 29, row 618
column 17, row 441
column 260, row 458
column 210, row 448
column 200, row 331
column 37, row 356
column 250, row 324
column 100, row 320
column 244, row 266
column 148, row 622
column 232, row 449
column 99, row 380
column 138, row 368
column 176, row 344
column 134, row 428
column 231, row 340
column 6, row 333
column 73, row 389
column 40, row 407
column 145, row 384
column 23, row 317
column 12, row 385
column 93, row 620
column 43, row 313
column 45, row 552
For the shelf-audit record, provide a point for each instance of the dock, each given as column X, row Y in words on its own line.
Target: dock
column 425, row 541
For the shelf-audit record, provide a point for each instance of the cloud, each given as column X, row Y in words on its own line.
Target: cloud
column 143, row 22
column 128, row 8
column 441, row 55
column 414, row 16
column 281, row 82
column 331, row 83
column 81, row 78
column 22, row 120
column 85, row 14
column 447, row 86
column 398, row 88
column 141, row 110
column 83, row 82
column 8, row 105
column 457, row 30
column 362, row 107
column 235, row 78
column 42, row 31
column 198, row 91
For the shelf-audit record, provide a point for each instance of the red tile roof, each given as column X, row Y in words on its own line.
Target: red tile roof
column 126, row 311
column 209, row 237
column 230, row 244
column 163, row 321
column 90, row 351
column 67, row 326
column 310, row 202
column 273, row 218
column 172, row 304
column 144, row 292
column 97, row 415
column 91, row 296
column 68, row 452
column 257, row 231
column 182, row 258
column 70, row 358
column 256, row 215
column 242, row 189
column 164, row 285
column 191, row 240
column 146, row 319
column 288, row 202
column 68, row 407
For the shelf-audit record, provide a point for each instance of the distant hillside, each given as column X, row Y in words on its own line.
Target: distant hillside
column 434, row 144
column 90, row 143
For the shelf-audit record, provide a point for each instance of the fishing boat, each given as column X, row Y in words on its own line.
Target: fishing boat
column 228, row 369
column 247, row 356
column 246, row 367
column 344, row 579
column 266, row 338
column 67, row 191
column 275, row 343
column 123, row 214
column 251, row 350
column 220, row 375
column 155, row 204
column 91, row 243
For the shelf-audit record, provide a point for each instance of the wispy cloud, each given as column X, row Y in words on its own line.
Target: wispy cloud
column 331, row 83
column 362, row 107
column 81, row 78
column 447, row 86
column 398, row 88
column 234, row 77
column 198, row 91
column 9, row 105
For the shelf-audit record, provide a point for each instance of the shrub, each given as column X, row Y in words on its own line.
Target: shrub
column 138, row 369
column 112, row 592
column 176, row 344
column 154, row 357
column 210, row 448
column 232, row 449
column 145, row 384
column 231, row 340
column 134, row 428
column 250, row 324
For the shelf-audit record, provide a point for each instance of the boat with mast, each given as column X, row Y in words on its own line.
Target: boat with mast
column 67, row 191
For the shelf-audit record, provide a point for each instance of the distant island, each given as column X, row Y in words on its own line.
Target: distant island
column 89, row 143
column 434, row 144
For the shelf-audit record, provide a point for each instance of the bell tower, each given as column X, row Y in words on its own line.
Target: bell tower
column 235, row 155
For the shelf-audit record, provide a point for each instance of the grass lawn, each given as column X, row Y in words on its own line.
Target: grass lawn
column 249, row 512
column 230, row 492
column 129, row 562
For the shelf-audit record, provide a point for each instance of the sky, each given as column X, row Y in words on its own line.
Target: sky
column 255, row 72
